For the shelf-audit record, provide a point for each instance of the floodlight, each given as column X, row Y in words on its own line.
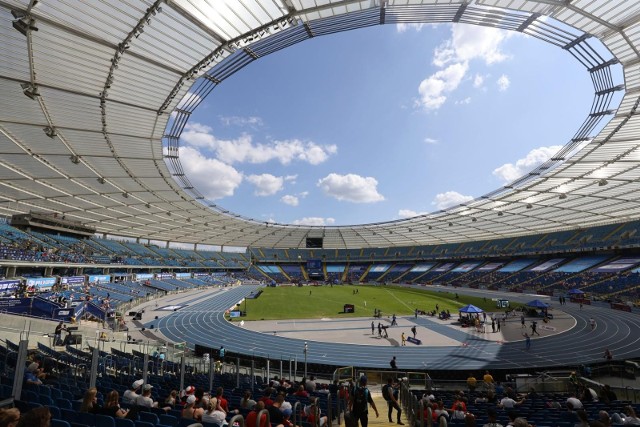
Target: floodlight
column 50, row 132
column 23, row 26
column 30, row 90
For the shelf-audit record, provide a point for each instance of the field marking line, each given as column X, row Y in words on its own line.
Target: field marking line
column 398, row 299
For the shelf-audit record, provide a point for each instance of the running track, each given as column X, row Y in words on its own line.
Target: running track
column 204, row 324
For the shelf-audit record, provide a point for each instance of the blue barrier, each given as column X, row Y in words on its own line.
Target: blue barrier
column 414, row 340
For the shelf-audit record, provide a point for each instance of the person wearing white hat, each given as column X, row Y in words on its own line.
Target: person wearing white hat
column 145, row 399
column 130, row 396
column 190, row 411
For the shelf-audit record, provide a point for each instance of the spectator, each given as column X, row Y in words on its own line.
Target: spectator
column 628, row 418
column 37, row 417
column 301, row 392
column 252, row 417
column 90, row 401
column 172, row 399
column 9, row 417
column 314, row 417
column 247, row 402
column 31, row 374
column 130, row 396
column 472, row 383
column 222, row 402
column 573, row 403
column 145, row 398
column 583, row 418
column 190, row 411
column 492, row 418
column 509, row 403
column 213, row 414
column 112, row 406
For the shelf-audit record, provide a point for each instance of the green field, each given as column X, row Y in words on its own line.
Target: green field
column 315, row 302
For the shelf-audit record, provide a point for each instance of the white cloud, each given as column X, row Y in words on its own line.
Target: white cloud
column 243, row 149
column 465, row 101
column 291, row 178
column 314, row 220
column 478, row 80
column 430, row 141
column 211, row 177
column 351, row 188
column 534, row 158
column 303, row 194
column 401, row 28
column 433, row 89
column 190, row 101
column 469, row 42
column 266, row 184
column 290, row 200
column 450, row 198
column 252, row 121
column 503, row 83
column 408, row 213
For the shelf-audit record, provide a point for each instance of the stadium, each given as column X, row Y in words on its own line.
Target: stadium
column 103, row 231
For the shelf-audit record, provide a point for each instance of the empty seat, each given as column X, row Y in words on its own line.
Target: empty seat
column 168, row 420
column 148, row 417
column 104, row 421
column 124, row 422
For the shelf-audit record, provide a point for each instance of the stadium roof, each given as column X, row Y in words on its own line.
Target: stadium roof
column 94, row 96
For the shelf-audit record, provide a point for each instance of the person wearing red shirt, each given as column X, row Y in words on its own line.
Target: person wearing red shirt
column 252, row 417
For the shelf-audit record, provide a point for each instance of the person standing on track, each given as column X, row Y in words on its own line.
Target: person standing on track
column 393, row 364
column 592, row 322
column 527, row 341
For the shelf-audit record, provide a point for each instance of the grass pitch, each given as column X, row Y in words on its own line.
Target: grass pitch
column 316, row 302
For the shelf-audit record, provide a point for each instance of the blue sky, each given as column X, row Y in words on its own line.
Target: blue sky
column 383, row 123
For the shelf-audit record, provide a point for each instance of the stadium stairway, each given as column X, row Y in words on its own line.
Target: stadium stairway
column 383, row 410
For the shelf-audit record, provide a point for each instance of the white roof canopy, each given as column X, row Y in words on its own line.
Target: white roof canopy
column 87, row 130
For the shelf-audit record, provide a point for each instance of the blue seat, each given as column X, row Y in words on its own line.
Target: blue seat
column 55, row 393
column 59, row 423
column 144, row 424
column 67, row 414
column 104, row 421
column 168, row 420
column 64, row 403
column 29, row 396
column 55, row 412
column 184, row 422
column 46, row 400
column 124, row 422
column 86, row 418
column 5, row 391
column 148, row 417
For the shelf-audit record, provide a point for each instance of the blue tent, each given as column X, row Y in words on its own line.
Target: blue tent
column 470, row 309
column 575, row 291
column 537, row 304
